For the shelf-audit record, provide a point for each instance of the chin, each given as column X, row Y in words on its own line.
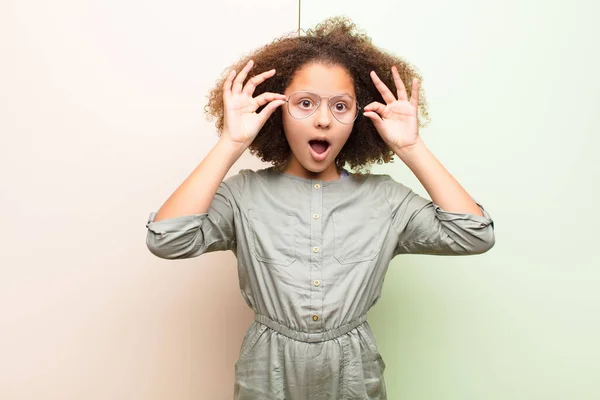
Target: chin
column 314, row 169
column 319, row 167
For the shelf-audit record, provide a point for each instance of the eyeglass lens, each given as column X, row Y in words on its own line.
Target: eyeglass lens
column 303, row 104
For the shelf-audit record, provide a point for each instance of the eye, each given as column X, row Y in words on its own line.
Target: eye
column 340, row 106
column 306, row 103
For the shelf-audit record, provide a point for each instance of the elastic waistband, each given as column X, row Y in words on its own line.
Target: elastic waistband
column 307, row 336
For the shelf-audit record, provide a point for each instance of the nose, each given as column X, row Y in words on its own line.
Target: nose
column 323, row 115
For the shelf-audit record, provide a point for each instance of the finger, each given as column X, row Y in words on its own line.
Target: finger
column 375, row 118
column 268, row 110
column 227, row 85
column 376, row 107
column 385, row 92
column 414, row 94
column 257, row 80
column 237, row 84
column 267, row 97
column 399, row 84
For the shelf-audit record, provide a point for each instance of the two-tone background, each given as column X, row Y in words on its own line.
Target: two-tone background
column 101, row 118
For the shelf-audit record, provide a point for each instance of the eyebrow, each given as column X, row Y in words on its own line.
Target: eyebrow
column 332, row 94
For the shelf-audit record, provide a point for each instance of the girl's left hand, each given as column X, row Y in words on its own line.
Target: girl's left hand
column 397, row 121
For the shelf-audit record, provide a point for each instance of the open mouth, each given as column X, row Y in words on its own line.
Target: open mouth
column 319, row 146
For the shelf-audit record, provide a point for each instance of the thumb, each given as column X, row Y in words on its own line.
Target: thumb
column 375, row 118
column 268, row 110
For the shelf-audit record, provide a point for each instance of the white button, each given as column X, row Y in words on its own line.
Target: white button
column 317, row 186
column 316, row 249
column 315, row 216
column 316, row 283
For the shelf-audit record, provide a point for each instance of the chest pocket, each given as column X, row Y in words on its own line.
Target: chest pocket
column 358, row 235
column 273, row 237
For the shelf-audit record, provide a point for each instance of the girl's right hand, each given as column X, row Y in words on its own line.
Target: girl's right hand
column 241, row 123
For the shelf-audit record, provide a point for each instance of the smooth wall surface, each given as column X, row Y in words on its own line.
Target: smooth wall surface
column 514, row 95
column 101, row 118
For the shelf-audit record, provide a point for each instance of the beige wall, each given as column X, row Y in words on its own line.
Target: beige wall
column 100, row 119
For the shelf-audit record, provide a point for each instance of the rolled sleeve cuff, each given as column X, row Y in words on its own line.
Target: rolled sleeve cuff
column 481, row 221
column 175, row 224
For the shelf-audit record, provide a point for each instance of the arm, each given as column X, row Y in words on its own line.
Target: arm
column 423, row 227
column 444, row 190
column 451, row 223
column 241, row 125
column 195, row 194
column 199, row 216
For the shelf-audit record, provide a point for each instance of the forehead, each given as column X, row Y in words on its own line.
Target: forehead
column 322, row 79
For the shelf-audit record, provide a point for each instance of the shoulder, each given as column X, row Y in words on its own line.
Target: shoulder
column 381, row 181
column 386, row 186
column 234, row 185
column 244, row 178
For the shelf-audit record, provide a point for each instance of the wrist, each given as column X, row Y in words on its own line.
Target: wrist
column 412, row 150
column 232, row 146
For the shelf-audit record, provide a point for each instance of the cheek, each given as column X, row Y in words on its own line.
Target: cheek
column 293, row 129
column 288, row 122
column 290, row 136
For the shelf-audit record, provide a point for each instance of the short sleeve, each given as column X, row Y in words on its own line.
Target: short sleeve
column 192, row 235
column 423, row 227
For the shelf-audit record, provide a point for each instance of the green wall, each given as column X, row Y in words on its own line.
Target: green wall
column 514, row 97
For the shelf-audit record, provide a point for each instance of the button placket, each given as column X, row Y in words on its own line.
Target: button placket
column 316, row 263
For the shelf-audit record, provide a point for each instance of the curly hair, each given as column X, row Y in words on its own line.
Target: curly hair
column 335, row 41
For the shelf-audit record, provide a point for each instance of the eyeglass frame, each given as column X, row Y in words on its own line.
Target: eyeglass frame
column 287, row 102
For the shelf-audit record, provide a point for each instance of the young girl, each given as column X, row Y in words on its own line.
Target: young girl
column 313, row 241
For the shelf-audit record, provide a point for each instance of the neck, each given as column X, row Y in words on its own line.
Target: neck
column 331, row 173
